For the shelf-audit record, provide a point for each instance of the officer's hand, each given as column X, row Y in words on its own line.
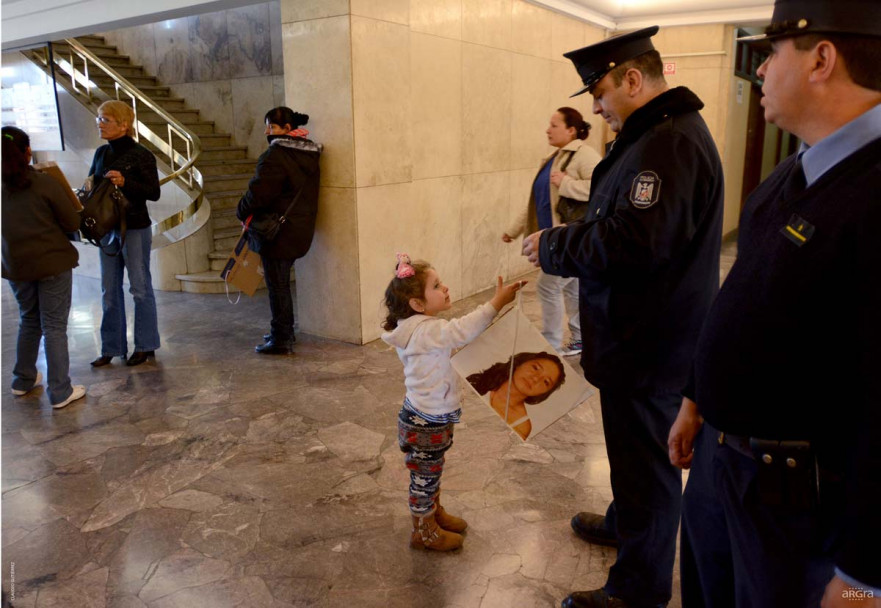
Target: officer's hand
column 839, row 594
column 530, row 247
column 680, row 443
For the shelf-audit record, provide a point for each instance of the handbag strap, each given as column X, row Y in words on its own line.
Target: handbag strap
column 283, row 217
column 568, row 160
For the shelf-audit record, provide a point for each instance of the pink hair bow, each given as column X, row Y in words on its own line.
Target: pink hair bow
column 404, row 269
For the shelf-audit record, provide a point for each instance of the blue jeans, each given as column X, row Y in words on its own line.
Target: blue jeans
column 277, row 274
column 44, row 306
column 135, row 258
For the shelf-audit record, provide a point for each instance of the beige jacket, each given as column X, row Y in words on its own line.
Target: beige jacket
column 576, row 184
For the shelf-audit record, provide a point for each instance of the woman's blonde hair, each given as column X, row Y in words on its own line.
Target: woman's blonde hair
column 120, row 112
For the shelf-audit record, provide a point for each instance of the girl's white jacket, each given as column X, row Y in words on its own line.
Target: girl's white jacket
column 424, row 345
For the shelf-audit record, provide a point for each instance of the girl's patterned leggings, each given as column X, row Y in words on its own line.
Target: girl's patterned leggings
column 424, row 444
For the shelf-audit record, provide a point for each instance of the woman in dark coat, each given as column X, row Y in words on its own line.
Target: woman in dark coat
column 287, row 169
column 38, row 261
column 132, row 168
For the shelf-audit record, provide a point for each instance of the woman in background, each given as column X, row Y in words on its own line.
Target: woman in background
column 566, row 172
column 38, row 262
column 288, row 168
column 132, row 168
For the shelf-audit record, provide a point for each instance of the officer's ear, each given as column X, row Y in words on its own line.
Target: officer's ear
column 634, row 80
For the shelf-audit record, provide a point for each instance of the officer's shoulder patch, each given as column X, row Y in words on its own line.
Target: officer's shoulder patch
column 646, row 190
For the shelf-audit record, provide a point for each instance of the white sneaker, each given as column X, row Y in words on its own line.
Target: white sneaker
column 37, row 382
column 79, row 391
column 571, row 349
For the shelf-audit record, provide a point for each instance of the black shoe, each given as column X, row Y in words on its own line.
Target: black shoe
column 104, row 360
column 592, row 528
column 140, row 357
column 271, row 347
column 598, row 598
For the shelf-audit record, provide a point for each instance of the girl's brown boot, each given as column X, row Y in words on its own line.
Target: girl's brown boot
column 448, row 522
column 428, row 535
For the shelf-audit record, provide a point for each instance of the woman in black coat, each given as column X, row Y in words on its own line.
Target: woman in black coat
column 288, row 169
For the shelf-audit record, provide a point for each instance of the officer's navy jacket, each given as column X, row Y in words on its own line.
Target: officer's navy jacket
column 647, row 252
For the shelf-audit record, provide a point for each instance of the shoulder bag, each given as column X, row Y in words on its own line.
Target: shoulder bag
column 570, row 209
column 103, row 211
column 262, row 229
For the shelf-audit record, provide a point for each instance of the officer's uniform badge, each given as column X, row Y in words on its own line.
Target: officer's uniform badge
column 798, row 230
column 646, row 190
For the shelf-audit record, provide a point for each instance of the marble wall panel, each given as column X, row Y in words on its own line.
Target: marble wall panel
column 437, row 17
column 486, row 109
column 215, row 102
column 167, row 262
column 303, row 10
column 487, row 22
column 396, row 11
column 530, row 91
column 252, row 98
column 531, row 29
column 690, row 38
column 318, row 82
column 172, row 41
column 250, row 46
column 209, row 46
column 593, row 34
column 566, row 35
column 197, row 248
column 381, row 101
column 328, row 277
column 275, row 41
column 427, row 226
column 278, row 97
column 435, row 105
column 485, row 207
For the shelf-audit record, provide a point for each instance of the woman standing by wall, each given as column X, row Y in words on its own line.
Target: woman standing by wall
column 132, row 168
column 566, row 172
column 287, row 170
column 38, row 261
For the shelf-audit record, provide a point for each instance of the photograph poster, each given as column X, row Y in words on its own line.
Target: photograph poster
column 513, row 369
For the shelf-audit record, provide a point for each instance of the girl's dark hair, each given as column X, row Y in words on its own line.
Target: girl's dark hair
column 574, row 119
column 399, row 292
column 495, row 376
column 15, row 159
column 283, row 115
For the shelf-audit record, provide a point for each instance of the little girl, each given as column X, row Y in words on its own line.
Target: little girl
column 433, row 403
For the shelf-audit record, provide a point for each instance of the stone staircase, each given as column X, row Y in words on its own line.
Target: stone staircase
column 225, row 166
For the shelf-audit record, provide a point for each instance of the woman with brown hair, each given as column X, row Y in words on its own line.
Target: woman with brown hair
column 566, row 172
column 132, row 168
column 38, row 261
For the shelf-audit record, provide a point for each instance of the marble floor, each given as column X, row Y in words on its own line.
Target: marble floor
column 216, row 477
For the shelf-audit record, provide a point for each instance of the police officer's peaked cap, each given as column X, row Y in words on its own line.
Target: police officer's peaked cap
column 798, row 17
column 595, row 61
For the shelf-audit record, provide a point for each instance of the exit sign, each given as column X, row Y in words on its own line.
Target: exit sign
column 669, row 68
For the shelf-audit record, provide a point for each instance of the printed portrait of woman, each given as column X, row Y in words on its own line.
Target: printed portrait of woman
column 535, row 378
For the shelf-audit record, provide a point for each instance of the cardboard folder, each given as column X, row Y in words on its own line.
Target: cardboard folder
column 243, row 268
column 51, row 169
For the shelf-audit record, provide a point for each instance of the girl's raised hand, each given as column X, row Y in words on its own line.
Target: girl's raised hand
column 505, row 294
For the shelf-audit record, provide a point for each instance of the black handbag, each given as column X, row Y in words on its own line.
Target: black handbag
column 103, row 211
column 570, row 209
column 262, row 229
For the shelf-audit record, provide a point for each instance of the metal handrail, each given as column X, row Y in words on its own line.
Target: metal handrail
column 183, row 159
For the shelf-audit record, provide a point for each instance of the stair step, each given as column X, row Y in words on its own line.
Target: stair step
column 222, row 201
column 225, row 233
column 187, row 116
column 225, row 167
column 222, row 222
column 218, row 183
column 141, row 82
column 93, row 38
column 215, row 140
column 226, row 244
column 199, row 128
column 171, row 104
column 224, row 153
column 129, row 71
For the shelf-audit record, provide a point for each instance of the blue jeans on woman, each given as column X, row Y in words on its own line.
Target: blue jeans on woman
column 135, row 258
column 44, row 306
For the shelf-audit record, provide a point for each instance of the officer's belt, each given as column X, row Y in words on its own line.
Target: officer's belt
column 738, row 443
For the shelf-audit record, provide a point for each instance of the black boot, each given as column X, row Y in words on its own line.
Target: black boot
column 275, row 347
column 140, row 357
column 592, row 528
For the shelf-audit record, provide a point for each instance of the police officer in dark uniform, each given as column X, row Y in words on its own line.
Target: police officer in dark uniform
column 783, row 504
column 647, row 259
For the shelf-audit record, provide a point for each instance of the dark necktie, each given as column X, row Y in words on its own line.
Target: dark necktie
column 795, row 181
